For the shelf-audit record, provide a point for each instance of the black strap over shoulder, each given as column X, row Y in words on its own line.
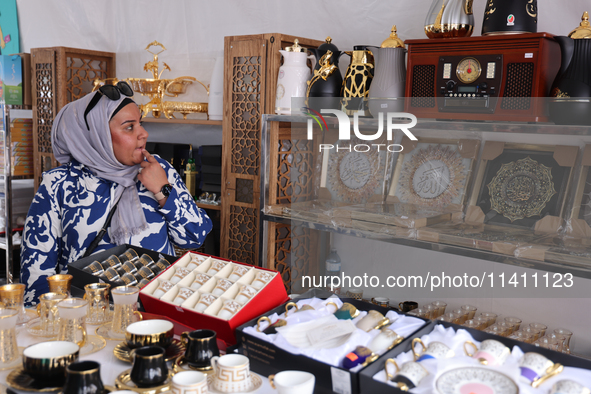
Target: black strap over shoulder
column 101, row 233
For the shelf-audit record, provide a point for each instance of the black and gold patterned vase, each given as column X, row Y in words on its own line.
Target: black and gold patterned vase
column 510, row 17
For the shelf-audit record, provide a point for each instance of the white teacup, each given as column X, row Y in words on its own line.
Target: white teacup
column 373, row 320
column 385, row 340
column 229, row 309
column 216, row 266
column 435, row 350
column 293, row 382
column 163, row 287
column 179, row 274
column 245, row 294
column 189, row 382
column 200, row 280
column 568, row 386
column 261, row 279
column 231, row 373
column 196, row 261
column 183, row 294
column 491, row 352
column 204, row 302
column 238, row 272
column 534, row 366
column 221, row 287
column 408, row 376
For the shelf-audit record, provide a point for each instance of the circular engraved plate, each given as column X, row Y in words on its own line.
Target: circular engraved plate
column 353, row 176
column 431, row 179
column 433, row 176
column 475, row 380
column 521, row 189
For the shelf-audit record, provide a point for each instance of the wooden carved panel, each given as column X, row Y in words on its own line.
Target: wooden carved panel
column 246, row 114
column 80, row 73
column 243, row 233
column 294, row 170
column 294, row 250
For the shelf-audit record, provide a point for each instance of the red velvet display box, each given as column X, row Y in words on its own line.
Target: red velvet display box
column 268, row 297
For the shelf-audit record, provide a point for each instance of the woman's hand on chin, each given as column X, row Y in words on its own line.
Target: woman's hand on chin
column 151, row 174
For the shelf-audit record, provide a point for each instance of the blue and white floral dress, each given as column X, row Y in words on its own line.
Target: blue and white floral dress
column 71, row 206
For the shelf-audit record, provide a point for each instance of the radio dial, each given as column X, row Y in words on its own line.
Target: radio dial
column 483, row 85
column 468, row 70
column 450, row 85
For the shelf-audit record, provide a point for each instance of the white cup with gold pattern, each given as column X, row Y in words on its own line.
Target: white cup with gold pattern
column 535, row 368
column 231, row 373
column 199, row 281
column 179, row 274
column 238, row 272
column 245, row 294
column 72, row 313
column 229, row 309
column 125, row 309
column 183, row 294
column 216, row 266
column 568, row 386
column 373, row 320
column 221, row 287
column 435, row 350
column 261, row 279
column 8, row 346
column 491, row 352
column 163, row 287
column 204, row 302
column 196, row 261
column 189, row 382
column 385, row 340
column 406, row 377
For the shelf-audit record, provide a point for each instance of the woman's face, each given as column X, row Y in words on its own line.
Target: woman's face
column 128, row 135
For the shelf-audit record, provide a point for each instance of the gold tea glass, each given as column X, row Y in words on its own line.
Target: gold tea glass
column 60, row 283
column 440, row 305
column 125, row 309
column 470, row 311
column 431, row 311
column 97, row 295
column 461, row 314
column 539, row 326
column 531, row 331
column 515, row 322
column 565, row 335
column 48, row 314
column 129, row 255
column 8, row 348
column 491, row 317
column 12, row 296
column 72, row 312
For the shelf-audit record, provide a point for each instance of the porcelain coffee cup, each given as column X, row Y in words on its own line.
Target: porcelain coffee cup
column 491, row 352
column 163, row 287
column 245, row 294
column 261, row 279
column 535, row 367
column 229, row 309
column 385, row 340
column 435, row 350
column 200, row 280
column 83, row 377
column 183, row 294
column 48, row 360
column 408, row 376
column 231, row 373
column 204, row 302
column 347, row 312
column 149, row 366
column 155, row 332
column 221, row 287
column 568, row 386
column 293, row 382
column 373, row 320
column 189, row 382
column 238, row 272
column 201, row 346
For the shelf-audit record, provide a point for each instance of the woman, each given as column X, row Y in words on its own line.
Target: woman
column 101, row 139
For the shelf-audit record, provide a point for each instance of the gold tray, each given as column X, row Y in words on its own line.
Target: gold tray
column 176, row 349
column 18, row 379
column 123, row 382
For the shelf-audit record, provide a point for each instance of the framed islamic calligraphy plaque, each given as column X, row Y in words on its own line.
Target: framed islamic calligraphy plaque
column 355, row 176
column 434, row 173
column 518, row 184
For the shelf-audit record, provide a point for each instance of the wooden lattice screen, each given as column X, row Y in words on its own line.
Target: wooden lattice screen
column 60, row 75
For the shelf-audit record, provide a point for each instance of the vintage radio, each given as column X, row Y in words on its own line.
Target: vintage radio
column 496, row 78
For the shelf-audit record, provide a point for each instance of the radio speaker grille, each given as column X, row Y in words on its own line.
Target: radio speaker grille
column 518, row 87
column 423, row 86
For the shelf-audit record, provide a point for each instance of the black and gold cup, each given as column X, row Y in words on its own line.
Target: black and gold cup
column 83, row 377
column 201, row 346
column 149, row 366
column 48, row 360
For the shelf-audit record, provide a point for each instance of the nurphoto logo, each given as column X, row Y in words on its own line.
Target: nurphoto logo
column 345, row 129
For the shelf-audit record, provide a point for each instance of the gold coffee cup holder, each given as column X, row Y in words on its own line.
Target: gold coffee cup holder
column 123, row 382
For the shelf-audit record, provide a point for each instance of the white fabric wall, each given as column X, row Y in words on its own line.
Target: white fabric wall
column 193, row 33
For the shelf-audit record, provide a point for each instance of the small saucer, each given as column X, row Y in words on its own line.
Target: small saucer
column 20, row 380
column 14, row 363
column 34, row 328
column 181, row 364
column 103, row 321
column 176, row 349
column 123, row 382
column 255, row 384
column 29, row 314
column 94, row 343
column 104, row 330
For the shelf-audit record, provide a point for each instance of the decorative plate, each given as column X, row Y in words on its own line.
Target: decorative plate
column 123, row 382
column 18, row 379
column 255, row 384
column 521, row 189
column 434, row 176
column 176, row 349
column 354, row 176
column 473, row 380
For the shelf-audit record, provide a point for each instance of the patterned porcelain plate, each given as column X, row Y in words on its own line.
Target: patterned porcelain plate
column 255, row 384
column 176, row 349
column 472, row 380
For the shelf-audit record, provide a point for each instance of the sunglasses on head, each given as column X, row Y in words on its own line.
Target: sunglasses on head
column 113, row 92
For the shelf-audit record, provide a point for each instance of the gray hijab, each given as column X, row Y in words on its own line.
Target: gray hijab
column 93, row 148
